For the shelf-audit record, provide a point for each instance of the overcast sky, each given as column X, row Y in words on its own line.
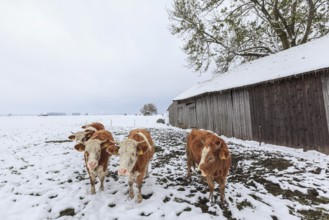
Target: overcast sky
column 105, row 56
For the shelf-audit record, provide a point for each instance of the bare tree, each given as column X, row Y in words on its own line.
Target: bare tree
column 149, row 109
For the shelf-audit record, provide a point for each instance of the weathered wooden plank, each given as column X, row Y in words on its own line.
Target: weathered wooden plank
column 321, row 117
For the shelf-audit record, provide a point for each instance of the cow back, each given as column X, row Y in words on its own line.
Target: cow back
column 98, row 126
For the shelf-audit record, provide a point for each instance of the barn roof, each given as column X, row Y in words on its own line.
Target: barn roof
column 311, row 56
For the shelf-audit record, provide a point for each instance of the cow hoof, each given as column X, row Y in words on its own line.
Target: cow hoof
column 131, row 195
column 139, row 199
column 223, row 204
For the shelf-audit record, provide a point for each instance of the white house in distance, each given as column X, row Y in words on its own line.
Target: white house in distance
column 281, row 99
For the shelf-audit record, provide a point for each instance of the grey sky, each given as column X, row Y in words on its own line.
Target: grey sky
column 105, row 56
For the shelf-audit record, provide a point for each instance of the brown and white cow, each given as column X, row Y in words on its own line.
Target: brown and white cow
column 82, row 136
column 135, row 152
column 96, row 157
column 97, row 125
column 210, row 153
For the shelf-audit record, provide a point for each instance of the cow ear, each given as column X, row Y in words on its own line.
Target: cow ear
column 222, row 151
column 79, row 147
column 113, row 150
column 84, row 126
column 72, row 137
column 224, row 154
column 105, row 145
column 141, row 149
column 89, row 134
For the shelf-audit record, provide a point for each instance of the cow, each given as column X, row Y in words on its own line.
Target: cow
column 96, row 157
column 96, row 125
column 135, row 153
column 210, row 154
column 82, row 136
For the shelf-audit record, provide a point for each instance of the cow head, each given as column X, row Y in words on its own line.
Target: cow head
column 92, row 149
column 128, row 151
column 81, row 136
column 213, row 153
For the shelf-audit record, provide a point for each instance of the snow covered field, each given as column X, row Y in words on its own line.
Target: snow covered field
column 43, row 177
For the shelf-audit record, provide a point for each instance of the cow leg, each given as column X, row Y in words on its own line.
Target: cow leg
column 221, row 181
column 211, row 188
column 101, row 174
column 130, row 183
column 189, row 164
column 101, row 178
column 92, row 178
column 147, row 170
column 139, row 186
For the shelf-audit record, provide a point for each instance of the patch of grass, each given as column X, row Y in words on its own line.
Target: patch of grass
column 158, row 149
column 311, row 214
column 187, row 209
column 67, row 212
column 179, row 200
column 111, row 205
column 147, row 196
column 52, row 197
column 58, row 141
column 275, row 163
column 202, row 203
column 166, row 199
column 146, row 215
column 244, row 204
column 34, row 194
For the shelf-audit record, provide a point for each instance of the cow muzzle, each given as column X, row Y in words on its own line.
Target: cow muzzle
column 200, row 168
column 92, row 165
column 123, row 172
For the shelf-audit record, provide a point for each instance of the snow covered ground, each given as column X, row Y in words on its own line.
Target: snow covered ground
column 43, row 177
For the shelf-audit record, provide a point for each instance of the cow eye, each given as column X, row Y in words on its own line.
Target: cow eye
column 211, row 159
column 84, row 139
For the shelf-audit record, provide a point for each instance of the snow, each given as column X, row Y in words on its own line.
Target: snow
column 43, row 177
column 294, row 61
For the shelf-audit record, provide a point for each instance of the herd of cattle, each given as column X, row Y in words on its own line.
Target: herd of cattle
column 204, row 150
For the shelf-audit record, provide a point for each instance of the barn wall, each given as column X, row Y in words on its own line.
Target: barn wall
column 225, row 113
column 290, row 112
column 173, row 114
column 182, row 115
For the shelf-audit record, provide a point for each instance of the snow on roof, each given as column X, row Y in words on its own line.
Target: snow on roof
column 311, row 56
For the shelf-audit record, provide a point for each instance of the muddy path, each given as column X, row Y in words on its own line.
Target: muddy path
column 295, row 181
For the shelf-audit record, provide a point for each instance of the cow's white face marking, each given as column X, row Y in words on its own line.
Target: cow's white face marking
column 204, row 153
column 127, row 155
column 93, row 150
column 80, row 137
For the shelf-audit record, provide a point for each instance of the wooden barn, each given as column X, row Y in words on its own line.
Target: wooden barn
column 281, row 99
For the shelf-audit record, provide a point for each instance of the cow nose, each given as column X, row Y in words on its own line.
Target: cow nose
column 122, row 172
column 92, row 165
